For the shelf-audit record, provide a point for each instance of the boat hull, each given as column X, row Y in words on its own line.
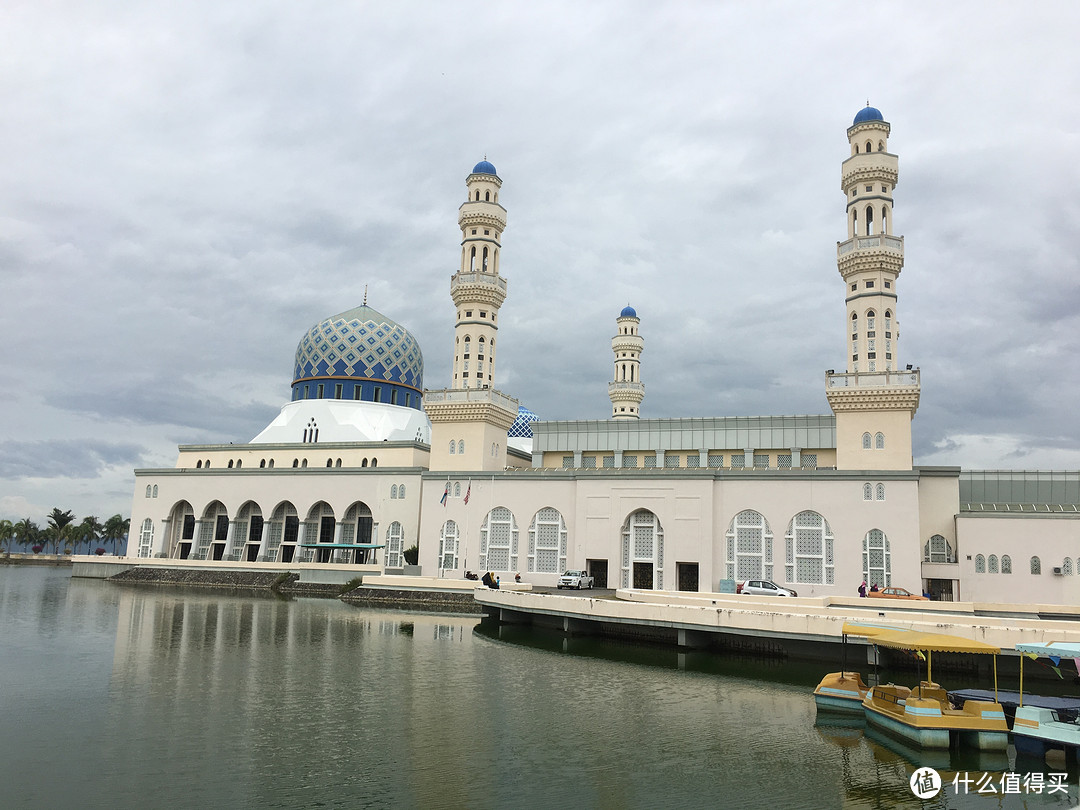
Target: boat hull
column 841, row 693
column 1036, row 730
column 926, row 718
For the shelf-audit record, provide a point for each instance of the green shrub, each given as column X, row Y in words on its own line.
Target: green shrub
column 412, row 555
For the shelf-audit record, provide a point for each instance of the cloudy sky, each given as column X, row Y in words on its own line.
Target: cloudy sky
column 185, row 187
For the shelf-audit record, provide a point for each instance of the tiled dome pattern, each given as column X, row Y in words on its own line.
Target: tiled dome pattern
column 360, row 343
column 522, row 426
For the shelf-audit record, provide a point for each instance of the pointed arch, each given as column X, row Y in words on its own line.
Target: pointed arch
column 877, row 558
column 980, row 564
column 448, row 546
column 866, row 440
column 643, row 551
column 547, row 542
column 499, row 540
column 992, row 564
column 395, row 537
column 749, row 547
column 809, row 549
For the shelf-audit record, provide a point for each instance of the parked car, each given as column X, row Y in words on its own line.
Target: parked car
column 897, row 593
column 763, row 587
column 575, row 579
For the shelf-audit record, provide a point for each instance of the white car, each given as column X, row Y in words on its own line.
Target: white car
column 575, row 579
column 763, row 587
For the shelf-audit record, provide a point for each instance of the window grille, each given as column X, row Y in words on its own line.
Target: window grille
column 547, row 542
column 868, row 492
column 783, row 461
column 448, row 546
column 671, row 462
column 609, row 462
column 980, row 564
column 588, row 462
column 761, row 461
column 1066, row 567
column 1036, row 565
column 629, row 462
column 693, row 460
column 1006, row 564
column 866, row 441
column 716, row 461
column 992, row 564
column 650, row 461
column 879, row 441
column 809, row 461
column 877, row 558
column 499, row 537
column 568, row 462
column 394, row 538
column 881, row 492
column 738, row 461
column 750, row 546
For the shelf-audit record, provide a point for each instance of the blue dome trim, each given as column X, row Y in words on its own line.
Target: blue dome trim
column 868, row 113
column 522, row 426
column 628, row 312
column 483, row 167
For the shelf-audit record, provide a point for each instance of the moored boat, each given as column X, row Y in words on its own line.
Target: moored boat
column 924, row 715
column 1039, row 728
column 843, row 692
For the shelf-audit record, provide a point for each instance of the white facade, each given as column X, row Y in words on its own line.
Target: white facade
column 814, row 503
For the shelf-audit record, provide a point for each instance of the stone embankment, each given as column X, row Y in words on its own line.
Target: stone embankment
column 446, row 601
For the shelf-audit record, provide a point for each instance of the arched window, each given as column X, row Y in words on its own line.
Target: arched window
column 363, row 463
column 303, row 462
column 401, row 491
column 487, row 196
column 337, row 463
column 877, row 558
column 480, row 348
column 869, row 319
column 206, row 464
column 493, row 449
column 881, row 492
column 457, row 489
column 866, row 439
column 643, row 551
column 198, row 464
column 453, row 447
column 869, row 219
column 499, row 541
column 484, row 266
column 148, row 490
column 992, row 564
column 1006, row 564
column 448, row 545
column 881, row 146
column 393, row 492
column 262, row 464
column 809, row 549
column 868, row 492
column 395, row 537
column 854, row 222
column 155, row 491
column 478, row 195
column 329, row 462
column 146, row 538
column 749, row 547
column 938, row 550
column 472, row 261
column 296, row 462
column 869, row 146
column 461, row 447
column 547, row 542
column 271, row 464
column 879, row 441
column 1036, row 566
column 374, row 462
column 884, row 219
column 230, row 463
column 1066, row 567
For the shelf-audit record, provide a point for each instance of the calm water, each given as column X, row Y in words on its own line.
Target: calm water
column 119, row 697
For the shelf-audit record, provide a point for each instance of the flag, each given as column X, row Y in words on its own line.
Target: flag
column 445, row 494
column 468, row 492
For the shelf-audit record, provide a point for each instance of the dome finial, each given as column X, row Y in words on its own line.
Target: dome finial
column 365, row 295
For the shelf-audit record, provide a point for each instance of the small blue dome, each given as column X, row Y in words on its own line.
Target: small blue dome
column 483, row 167
column 868, row 113
column 628, row 312
column 522, row 426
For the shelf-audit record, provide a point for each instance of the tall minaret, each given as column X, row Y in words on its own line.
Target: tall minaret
column 626, row 391
column 477, row 288
column 470, row 419
column 873, row 402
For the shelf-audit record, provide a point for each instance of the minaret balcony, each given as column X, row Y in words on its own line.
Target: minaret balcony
column 626, row 391
column 489, row 279
column 877, row 241
column 908, row 378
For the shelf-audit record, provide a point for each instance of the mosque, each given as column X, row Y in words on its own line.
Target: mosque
column 364, row 462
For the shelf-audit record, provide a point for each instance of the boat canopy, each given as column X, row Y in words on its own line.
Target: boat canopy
column 1058, row 649
column 868, row 630
column 933, row 642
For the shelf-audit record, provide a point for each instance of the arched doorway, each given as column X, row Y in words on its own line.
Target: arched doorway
column 181, row 531
column 247, row 534
column 319, row 529
column 359, row 528
column 282, row 534
column 213, row 532
column 643, row 551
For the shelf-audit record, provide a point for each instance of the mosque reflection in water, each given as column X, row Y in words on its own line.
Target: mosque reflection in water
column 293, row 700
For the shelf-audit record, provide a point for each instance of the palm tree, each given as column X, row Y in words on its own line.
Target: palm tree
column 7, row 534
column 115, row 528
column 58, row 523
column 89, row 532
column 26, row 533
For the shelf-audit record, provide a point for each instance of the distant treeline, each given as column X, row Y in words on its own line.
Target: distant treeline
column 63, row 534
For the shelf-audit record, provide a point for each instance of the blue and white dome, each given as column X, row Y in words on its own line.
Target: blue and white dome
column 483, row 167
column 628, row 312
column 868, row 113
column 360, row 355
column 522, row 425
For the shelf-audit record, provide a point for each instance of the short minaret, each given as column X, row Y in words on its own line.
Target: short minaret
column 874, row 401
column 469, row 420
column 626, row 391
column 477, row 289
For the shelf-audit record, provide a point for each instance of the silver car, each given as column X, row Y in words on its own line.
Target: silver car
column 763, row 587
column 575, row 579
